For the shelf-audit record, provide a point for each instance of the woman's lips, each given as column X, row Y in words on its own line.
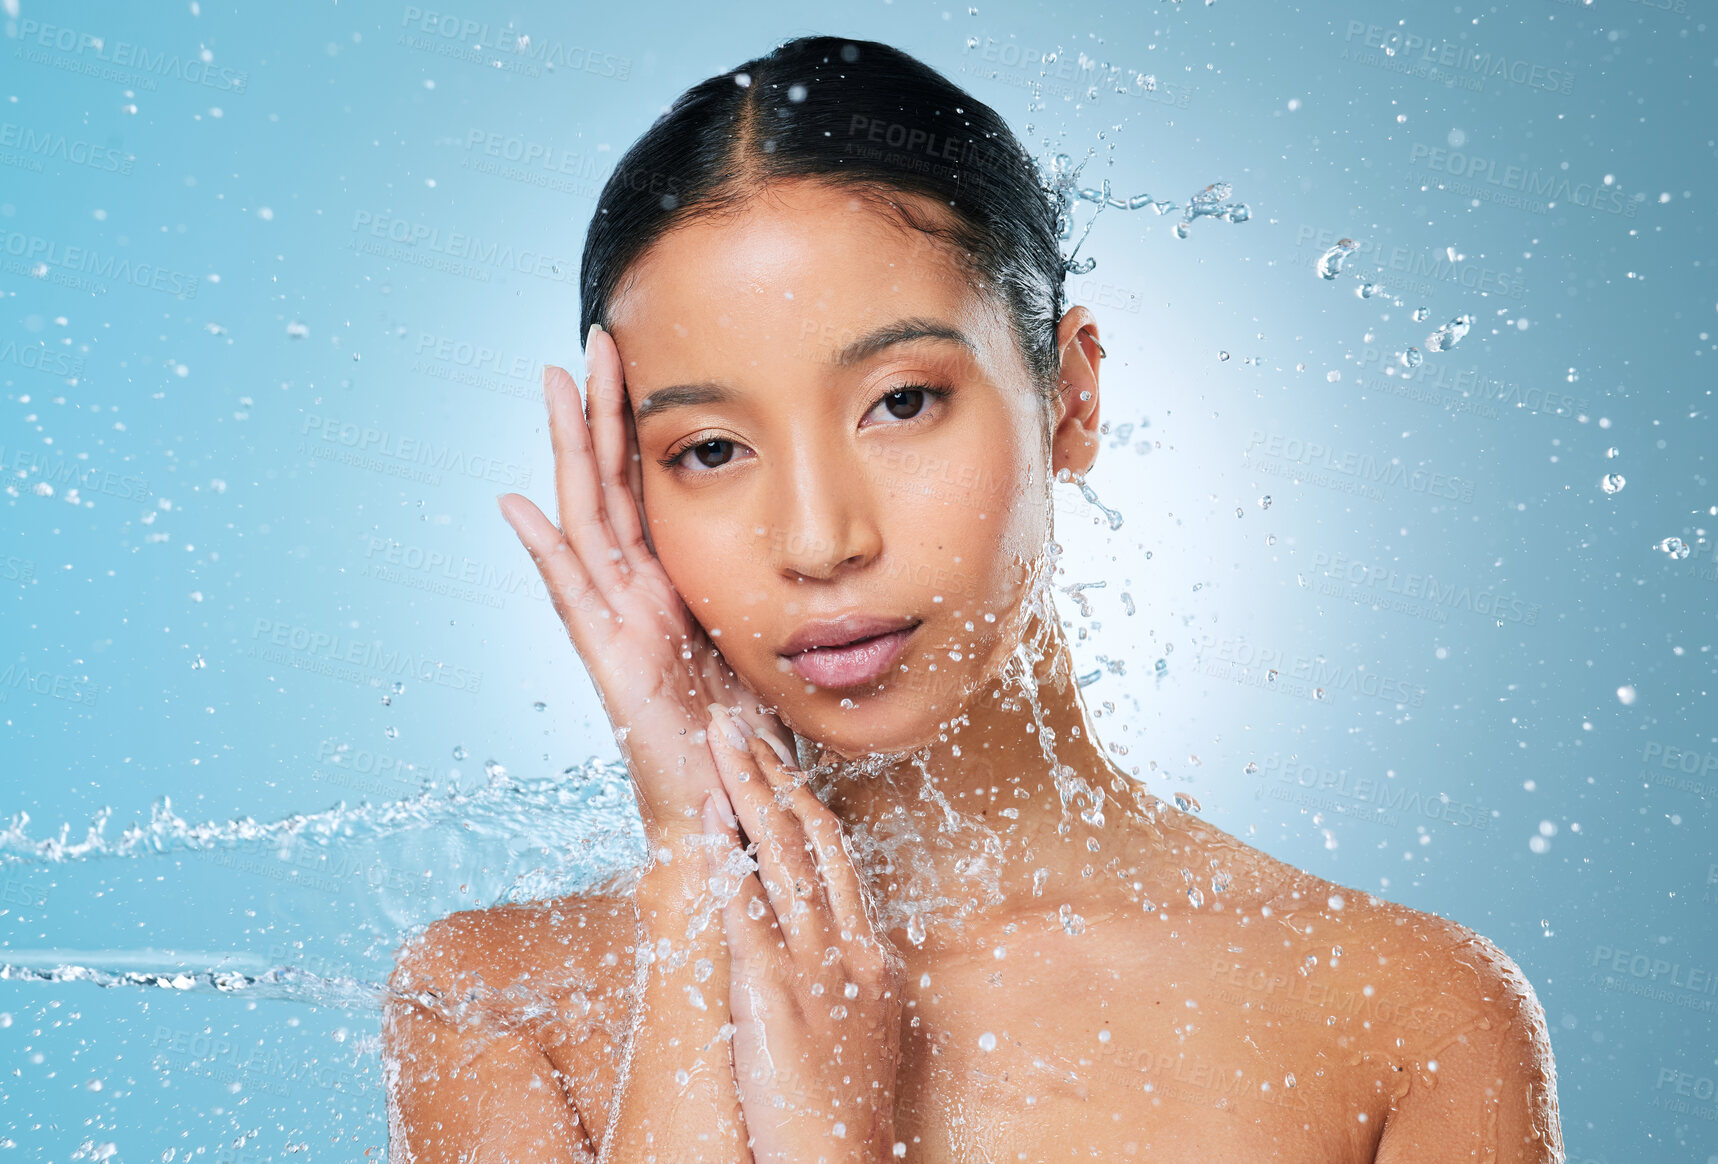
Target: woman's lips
column 862, row 661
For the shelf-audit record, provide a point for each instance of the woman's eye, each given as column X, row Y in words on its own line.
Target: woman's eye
column 711, row 454
column 904, row 403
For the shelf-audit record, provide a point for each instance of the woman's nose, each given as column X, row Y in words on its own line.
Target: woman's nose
column 820, row 521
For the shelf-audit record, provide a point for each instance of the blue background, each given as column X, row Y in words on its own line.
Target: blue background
column 277, row 288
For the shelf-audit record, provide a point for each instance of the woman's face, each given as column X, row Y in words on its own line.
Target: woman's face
column 845, row 463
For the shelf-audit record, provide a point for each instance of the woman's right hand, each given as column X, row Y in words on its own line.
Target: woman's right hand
column 655, row 669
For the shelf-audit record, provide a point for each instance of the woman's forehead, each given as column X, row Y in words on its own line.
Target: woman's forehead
column 805, row 245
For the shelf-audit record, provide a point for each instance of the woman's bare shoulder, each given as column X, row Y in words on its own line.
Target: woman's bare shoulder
column 508, row 957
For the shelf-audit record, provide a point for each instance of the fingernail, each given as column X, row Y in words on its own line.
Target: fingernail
column 717, row 800
column 780, row 749
column 594, row 328
column 725, row 723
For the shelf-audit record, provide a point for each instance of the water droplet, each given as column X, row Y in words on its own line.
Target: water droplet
column 1413, row 358
column 459, row 753
column 1612, row 482
column 987, row 1041
column 1675, row 547
column 1222, row 355
column 1251, row 768
column 1612, row 453
column 393, row 733
column 1333, row 376
column 1072, row 923
column 1265, row 501
column 1330, row 262
column 1421, row 314
column 539, row 706
column 198, row 663
column 1195, row 897
column 755, row 909
column 1288, row 1080
column 1367, row 290
column 1450, row 334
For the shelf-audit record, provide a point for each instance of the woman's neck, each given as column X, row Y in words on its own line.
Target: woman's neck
column 980, row 825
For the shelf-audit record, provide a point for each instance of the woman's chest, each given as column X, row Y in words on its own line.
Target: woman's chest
column 1088, row 1063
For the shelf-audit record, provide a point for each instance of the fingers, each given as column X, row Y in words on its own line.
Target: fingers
column 747, row 917
column 616, row 446
column 783, row 863
column 833, row 863
column 578, row 490
column 575, row 599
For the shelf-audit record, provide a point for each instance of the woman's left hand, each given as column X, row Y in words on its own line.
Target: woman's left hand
column 815, row 987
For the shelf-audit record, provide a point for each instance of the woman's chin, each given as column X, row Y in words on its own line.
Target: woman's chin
column 879, row 727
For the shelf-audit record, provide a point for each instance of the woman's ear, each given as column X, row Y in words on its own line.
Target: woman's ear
column 1074, row 444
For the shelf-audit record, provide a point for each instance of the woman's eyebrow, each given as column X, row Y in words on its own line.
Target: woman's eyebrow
column 899, row 332
column 681, row 396
column 866, row 346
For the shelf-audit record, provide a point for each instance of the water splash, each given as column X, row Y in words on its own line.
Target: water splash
column 1450, row 334
column 551, row 810
column 1110, row 515
column 183, row 971
column 1329, row 264
column 1060, row 179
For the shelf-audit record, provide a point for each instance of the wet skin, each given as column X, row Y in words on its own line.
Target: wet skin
column 1140, row 984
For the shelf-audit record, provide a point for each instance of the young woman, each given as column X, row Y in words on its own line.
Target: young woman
column 899, row 902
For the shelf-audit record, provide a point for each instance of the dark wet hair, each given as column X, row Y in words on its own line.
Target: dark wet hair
column 860, row 115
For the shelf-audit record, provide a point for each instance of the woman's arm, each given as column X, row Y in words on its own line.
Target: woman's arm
column 503, row 1020
column 466, row 1080
column 1496, row 1084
